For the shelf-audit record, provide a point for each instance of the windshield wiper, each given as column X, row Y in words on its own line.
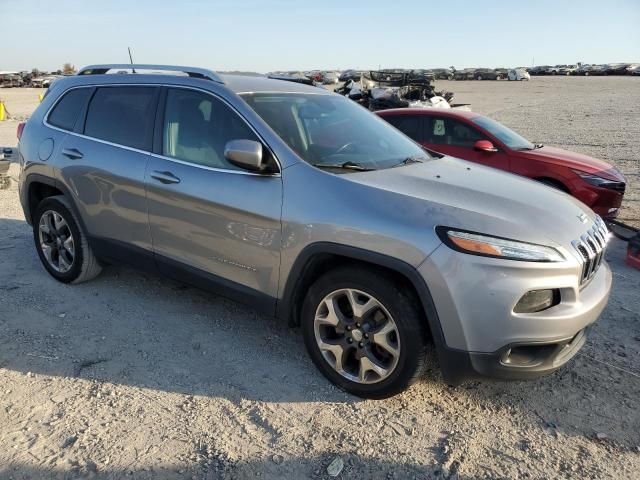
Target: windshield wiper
column 345, row 165
column 408, row 160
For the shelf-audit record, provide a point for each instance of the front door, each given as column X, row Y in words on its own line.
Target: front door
column 453, row 137
column 209, row 219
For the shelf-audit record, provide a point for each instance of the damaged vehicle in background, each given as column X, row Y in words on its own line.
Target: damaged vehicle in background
column 479, row 139
column 518, row 74
column 397, row 88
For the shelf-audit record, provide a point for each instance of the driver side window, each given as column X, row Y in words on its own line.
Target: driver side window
column 197, row 126
column 447, row 131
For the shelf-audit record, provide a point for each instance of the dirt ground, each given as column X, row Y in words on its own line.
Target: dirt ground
column 133, row 375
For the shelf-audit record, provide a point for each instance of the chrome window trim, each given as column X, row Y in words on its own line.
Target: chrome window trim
column 251, row 92
column 213, row 169
column 45, row 121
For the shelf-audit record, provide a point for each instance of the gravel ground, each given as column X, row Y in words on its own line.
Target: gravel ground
column 135, row 375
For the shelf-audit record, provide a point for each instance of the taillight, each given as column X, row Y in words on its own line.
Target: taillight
column 20, row 129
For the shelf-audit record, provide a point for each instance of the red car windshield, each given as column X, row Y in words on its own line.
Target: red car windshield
column 507, row 136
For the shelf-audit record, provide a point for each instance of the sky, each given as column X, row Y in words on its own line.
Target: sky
column 254, row 35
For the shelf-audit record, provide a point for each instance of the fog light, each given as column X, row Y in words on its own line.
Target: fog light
column 537, row 300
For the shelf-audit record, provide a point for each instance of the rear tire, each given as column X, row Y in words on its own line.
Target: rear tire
column 378, row 330
column 61, row 244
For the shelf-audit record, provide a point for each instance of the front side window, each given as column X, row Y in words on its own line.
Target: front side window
column 66, row 111
column 331, row 131
column 122, row 115
column 197, row 127
column 507, row 136
column 447, row 131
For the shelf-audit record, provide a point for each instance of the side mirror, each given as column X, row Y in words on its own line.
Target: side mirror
column 245, row 154
column 484, row 146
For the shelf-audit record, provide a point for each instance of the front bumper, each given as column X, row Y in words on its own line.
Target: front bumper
column 475, row 297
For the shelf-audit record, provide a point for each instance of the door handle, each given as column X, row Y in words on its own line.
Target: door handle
column 72, row 153
column 165, row 177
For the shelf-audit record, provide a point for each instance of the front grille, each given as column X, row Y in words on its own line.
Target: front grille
column 591, row 247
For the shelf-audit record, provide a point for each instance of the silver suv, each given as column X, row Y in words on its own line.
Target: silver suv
column 308, row 207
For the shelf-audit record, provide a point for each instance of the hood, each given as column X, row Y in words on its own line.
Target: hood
column 456, row 193
column 566, row 158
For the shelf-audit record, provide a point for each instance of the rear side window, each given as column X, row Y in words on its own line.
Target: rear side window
column 66, row 111
column 409, row 125
column 122, row 115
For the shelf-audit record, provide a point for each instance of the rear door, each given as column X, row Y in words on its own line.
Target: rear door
column 103, row 165
column 410, row 125
column 209, row 219
column 453, row 137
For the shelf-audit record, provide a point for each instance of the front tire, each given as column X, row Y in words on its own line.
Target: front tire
column 61, row 245
column 364, row 332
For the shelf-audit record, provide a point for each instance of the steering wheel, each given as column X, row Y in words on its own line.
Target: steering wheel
column 344, row 147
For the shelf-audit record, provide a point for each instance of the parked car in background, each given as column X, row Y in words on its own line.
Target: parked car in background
column 567, row 70
column 441, row 73
column 501, row 73
column 329, row 78
column 489, row 74
column 633, row 67
column 480, row 139
column 464, row 74
column 539, row 70
column 10, row 80
column 350, row 74
column 518, row 74
column 555, row 70
column 635, row 71
column 616, row 68
column 315, row 75
column 595, row 70
column 306, row 206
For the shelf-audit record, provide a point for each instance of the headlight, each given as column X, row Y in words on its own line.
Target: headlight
column 598, row 181
column 487, row 246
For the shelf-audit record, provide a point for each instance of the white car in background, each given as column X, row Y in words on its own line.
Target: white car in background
column 329, row 78
column 518, row 74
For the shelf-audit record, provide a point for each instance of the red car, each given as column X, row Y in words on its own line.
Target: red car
column 482, row 140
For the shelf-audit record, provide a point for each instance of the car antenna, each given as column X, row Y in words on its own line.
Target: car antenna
column 133, row 69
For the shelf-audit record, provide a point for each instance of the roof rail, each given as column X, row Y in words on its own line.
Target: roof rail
column 190, row 71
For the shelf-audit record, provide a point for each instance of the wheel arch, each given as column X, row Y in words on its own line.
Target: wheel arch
column 559, row 184
column 38, row 187
column 318, row 258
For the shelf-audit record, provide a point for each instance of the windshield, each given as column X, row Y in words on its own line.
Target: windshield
column 330, row 130
column 507, row 136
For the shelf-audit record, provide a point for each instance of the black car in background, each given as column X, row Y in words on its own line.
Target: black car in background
column 489, row 74
column 539, row 70
column 350, row 74
column 441, row 73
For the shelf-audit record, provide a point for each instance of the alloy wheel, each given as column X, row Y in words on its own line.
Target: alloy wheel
column 56, row 241
column 357, row 336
